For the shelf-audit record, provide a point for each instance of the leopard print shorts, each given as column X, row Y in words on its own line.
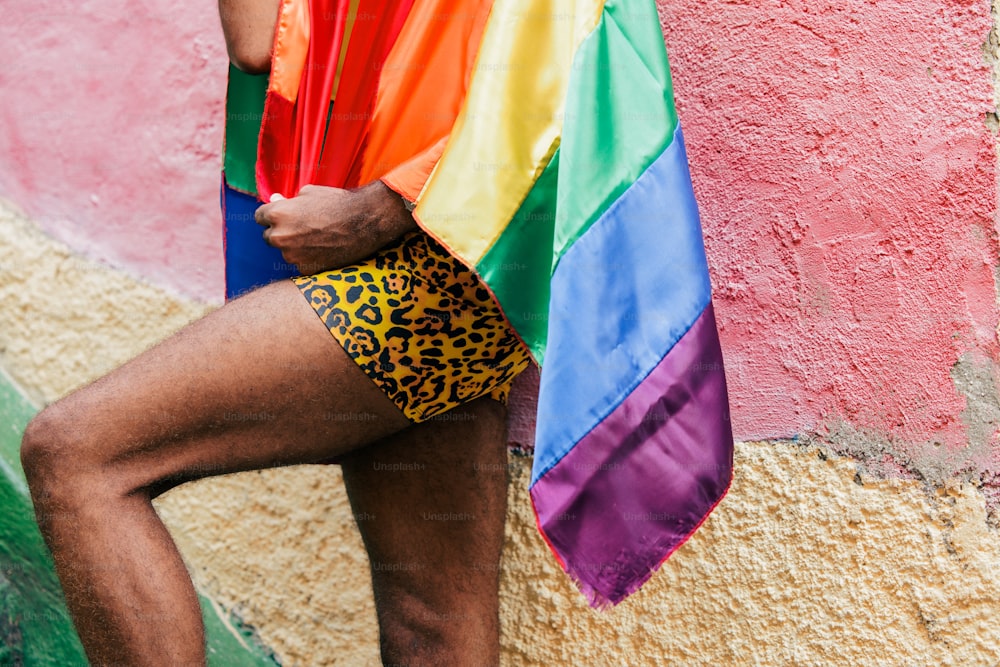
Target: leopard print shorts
column 421, row 325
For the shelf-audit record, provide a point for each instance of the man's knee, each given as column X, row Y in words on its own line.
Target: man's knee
column 419, row 629
column 55, row 456
column 409, row 628
column 40, row 445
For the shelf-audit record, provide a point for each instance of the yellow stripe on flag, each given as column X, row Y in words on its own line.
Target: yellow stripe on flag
column 511, row 121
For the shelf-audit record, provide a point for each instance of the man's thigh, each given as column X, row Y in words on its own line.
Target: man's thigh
column 257, row 383
column 430, row 503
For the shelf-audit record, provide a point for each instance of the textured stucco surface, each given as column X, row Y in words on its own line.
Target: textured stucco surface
column 842, row 153
column 111, row 132
column 799, row 565
column 807, row 561
column 68, row 320
column 847, row 181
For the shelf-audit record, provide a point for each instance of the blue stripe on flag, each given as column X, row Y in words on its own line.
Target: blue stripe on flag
column 623, row 294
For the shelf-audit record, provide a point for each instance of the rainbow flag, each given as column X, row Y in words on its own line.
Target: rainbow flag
column 540, row 143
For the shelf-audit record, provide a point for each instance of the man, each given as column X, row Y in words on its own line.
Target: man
column 96, row 458
column 541, row 151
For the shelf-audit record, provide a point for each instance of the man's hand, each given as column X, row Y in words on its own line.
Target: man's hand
column 326, row 228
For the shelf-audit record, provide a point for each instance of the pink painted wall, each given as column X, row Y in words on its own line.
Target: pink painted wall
column 847, row 182
column 111, row 132
column 839, row 152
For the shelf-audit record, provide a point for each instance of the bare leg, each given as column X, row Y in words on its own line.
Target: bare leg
column 430, row 503
column 258, row 383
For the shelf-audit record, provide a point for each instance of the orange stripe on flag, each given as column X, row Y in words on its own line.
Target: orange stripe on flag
column 421, row 90
column 291, row 42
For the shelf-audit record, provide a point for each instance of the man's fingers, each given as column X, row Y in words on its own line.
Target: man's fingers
column 261, row 215
column 267, row 214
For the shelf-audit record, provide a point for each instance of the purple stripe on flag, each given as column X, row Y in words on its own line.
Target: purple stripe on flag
column 643, row 480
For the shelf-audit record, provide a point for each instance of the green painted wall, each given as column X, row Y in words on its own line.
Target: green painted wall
column 35, row 628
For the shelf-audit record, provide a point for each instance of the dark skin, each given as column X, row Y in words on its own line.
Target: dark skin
column 322, row 227
column 326, row 228
column 248, row 26
column 96, row 458
column 260, row 383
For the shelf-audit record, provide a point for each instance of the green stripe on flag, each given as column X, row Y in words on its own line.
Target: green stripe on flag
column 518, row 267
column 244, row 111
column 619, row 116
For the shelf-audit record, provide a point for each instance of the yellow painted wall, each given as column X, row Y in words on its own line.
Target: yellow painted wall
column 806, row 561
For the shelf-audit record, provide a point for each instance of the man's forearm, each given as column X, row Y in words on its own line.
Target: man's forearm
column 248, row 26
column 389, row 208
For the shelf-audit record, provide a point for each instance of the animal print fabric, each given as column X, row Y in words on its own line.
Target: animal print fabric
column 421, row 325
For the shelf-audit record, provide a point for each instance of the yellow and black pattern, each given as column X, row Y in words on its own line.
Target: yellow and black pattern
column 421, row 325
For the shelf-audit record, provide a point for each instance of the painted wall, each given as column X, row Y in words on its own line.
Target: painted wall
column 807, row 561
column 844, row 157
column 846, row 173
column 111, row 133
